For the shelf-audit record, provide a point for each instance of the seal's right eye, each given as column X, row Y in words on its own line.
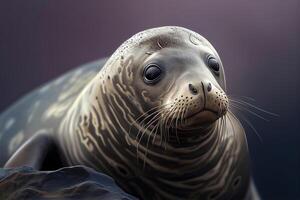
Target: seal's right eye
column 152, row 73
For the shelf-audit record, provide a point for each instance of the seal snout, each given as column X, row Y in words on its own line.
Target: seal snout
column 206, row 102
column 215, row 99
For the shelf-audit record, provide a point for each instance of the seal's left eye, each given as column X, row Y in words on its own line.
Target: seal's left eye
column 213, row 63
column 152, row 73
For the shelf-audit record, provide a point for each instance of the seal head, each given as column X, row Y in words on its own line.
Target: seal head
column 191, row 80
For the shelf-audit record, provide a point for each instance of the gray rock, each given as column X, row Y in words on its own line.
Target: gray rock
column 70, row 183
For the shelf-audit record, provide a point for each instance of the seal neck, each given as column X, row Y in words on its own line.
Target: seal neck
column 212, row 159
column 185, row 144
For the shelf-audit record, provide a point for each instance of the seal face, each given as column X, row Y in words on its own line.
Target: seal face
column 156, row 119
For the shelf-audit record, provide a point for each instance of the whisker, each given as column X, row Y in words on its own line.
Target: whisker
column 158, row 125
column 222, row 125
column 147, row 112
column 161, row 123
column 244, row 118
column 182, row 121
column 168, row 124
column 251, row 112
column 176, row 122
column 233, row 129
column 241, row 97
column 161, row 126
column 145, row 155
column 170, row 116
column 159, row 110
column 146, row 126
column 157, row 113
column 142, row 135
column 253, row 106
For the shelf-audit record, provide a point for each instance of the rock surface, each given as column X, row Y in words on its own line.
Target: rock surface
column 70, row 183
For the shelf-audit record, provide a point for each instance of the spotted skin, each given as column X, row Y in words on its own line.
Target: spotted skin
column 172, row 140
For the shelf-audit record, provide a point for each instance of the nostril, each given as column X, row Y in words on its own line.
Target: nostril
column 193, row 89
column 209, row 87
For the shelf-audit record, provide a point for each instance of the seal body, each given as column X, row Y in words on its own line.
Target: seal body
column 41, row 111
column 155, row 118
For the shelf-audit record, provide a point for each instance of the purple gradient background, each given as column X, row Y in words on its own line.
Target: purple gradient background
column 257, row 40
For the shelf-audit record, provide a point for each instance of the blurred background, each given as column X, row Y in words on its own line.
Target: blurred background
column 258, row 41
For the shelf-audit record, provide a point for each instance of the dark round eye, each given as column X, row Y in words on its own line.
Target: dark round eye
column 213, row 63
column 152, row 73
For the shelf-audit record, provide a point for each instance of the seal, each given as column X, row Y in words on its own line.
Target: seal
column 155, row 117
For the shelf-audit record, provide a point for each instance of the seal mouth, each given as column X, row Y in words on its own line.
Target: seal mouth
column 202, row 111
column 200, row 118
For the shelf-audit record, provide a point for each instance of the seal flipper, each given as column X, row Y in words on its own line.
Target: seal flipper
column 33, row 153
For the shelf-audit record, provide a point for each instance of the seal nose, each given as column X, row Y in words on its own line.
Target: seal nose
column 193, row 89
column 215, row 98
column 207, row 86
